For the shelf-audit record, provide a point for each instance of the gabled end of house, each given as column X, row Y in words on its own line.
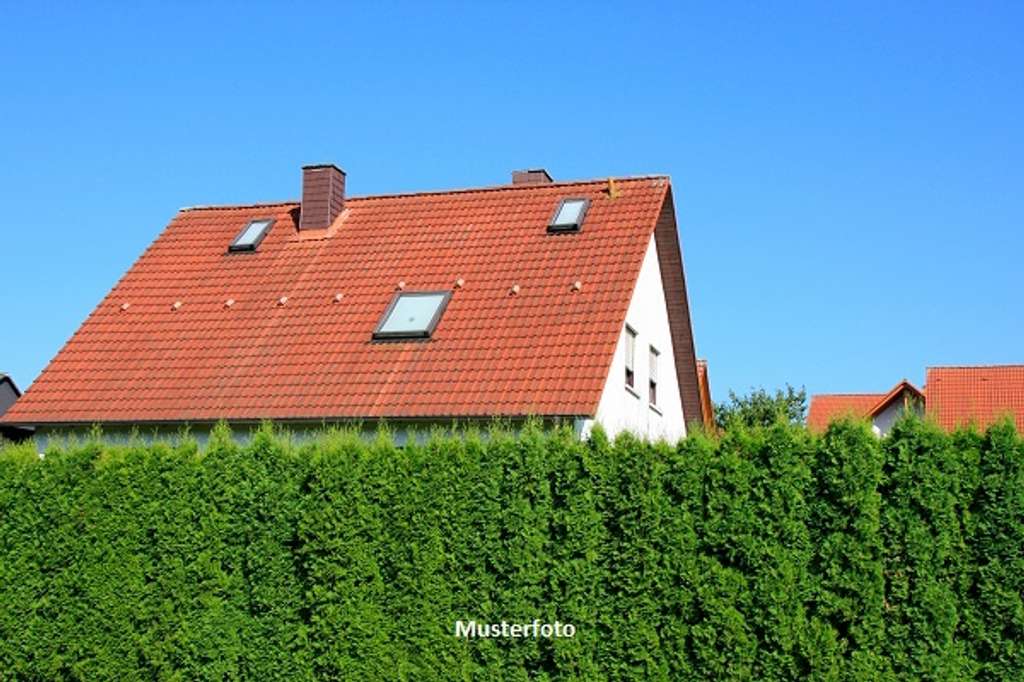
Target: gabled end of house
column 882, row 409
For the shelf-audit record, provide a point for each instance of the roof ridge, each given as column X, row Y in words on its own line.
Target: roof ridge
column 259, row 204
column 1014, row 366
column 434, row 192
column 508, row 187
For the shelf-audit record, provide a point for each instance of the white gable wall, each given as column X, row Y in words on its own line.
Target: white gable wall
column 882, row 422
column 621, row 409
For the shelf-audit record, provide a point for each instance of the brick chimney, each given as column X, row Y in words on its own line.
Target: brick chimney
column 323, row 196
column 534, row 176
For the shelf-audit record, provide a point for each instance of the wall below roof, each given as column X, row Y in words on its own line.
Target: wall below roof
column 623, row 410
column 7, row 395
column 882, row 422
column 47, row 436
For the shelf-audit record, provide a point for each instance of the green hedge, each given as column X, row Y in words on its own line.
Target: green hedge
column 768, row 554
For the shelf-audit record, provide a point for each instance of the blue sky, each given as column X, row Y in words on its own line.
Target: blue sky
column 848, row 176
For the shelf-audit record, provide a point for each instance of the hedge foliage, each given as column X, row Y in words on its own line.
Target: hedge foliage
column 761, row 554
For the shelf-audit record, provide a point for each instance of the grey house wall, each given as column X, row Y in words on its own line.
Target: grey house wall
column 8, row 394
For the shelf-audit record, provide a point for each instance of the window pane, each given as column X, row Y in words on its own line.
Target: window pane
column 412, row 313
column 569, row 213
column 652, row 381
column 252, row 233
column 630, row 351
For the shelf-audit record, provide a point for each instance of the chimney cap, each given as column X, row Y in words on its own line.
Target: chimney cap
column 311, row 166
column 531, row 176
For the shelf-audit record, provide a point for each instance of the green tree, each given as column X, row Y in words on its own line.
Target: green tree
column 994, row 594
column 761, row 408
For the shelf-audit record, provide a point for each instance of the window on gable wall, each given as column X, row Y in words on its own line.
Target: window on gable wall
column 630, row 356
column 653, row 381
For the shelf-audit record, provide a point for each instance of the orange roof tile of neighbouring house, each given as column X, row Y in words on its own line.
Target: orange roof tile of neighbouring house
column 282, row 325
column 980, row 395
column 826, row 407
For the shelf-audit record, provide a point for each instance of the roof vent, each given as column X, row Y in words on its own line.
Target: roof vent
column 323, row 196
column 533, row 176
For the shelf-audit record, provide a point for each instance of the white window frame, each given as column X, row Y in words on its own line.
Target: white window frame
column 630, row 350
column 652, row 377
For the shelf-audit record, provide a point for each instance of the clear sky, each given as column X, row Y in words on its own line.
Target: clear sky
column 848, row 176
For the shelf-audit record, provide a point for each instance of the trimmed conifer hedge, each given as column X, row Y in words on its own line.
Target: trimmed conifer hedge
column 768, row 554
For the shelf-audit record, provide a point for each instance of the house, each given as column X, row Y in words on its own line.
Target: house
column 9, row 393
column 559, row 300
column 952, row 397
column 882, row 409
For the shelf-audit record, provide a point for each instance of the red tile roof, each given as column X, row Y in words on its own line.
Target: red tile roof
column 958, row 396
column 825, row 407
column 545, row 351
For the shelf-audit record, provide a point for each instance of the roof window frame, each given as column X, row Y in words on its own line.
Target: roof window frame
column 423, row 335
column 235, row 247
column 555, row 228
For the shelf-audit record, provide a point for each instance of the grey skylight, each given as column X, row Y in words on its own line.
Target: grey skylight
column 412, row 315
column 251, row 235
column 569, row 215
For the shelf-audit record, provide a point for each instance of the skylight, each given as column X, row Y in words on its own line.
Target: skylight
column 412, row 315
column 251, row 235
column 569, row 215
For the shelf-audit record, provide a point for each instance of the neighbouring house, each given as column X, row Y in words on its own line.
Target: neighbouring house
column 9, row 393
column 559, row 300
column 882, row 409
column 952, row 396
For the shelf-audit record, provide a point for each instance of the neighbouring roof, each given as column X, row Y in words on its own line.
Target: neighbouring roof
column 287, row 348
column 5, row 378
column 958, row 396
column 826, row 407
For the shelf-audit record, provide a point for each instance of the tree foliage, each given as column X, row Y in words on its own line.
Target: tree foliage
column 761, row 408
column 764, row 553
